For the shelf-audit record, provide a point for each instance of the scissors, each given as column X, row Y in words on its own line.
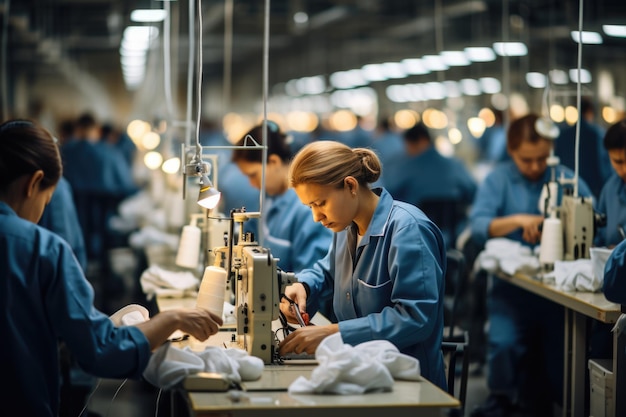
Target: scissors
column 303, row 318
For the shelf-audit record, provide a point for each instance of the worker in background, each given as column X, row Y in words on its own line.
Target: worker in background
column 492, row 143
column 614, row 285
column 426, row 178
column 288, row 229
column 594, row 166
column 46, row 297
column 387, row 143
column 524, row 329
column 612, row 201
column 385, row 267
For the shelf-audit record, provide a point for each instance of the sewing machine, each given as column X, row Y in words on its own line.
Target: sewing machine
column 255, row 284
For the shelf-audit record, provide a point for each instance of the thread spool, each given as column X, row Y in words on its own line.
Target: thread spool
column 551, row 243
column 189, row 247
column 212, row 290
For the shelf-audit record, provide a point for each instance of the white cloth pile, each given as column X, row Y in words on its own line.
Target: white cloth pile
column 169, row 365
column 573, row 276
column 158, row 281
column 151, row 235
column 508, row 256
column 346, row 369
column 581, row 274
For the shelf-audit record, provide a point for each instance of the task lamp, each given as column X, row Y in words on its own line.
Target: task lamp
column 208, row 197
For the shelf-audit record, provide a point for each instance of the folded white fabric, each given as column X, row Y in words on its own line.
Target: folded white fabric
column 508, row 256
column 169, row 365
column 574, row 276
column 346, row 369
column 158, row 281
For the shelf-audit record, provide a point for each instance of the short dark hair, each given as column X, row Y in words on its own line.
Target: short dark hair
column 523, row 130
column 615, row 136
column 25, row 148
column 418, row 132
column 277, row 144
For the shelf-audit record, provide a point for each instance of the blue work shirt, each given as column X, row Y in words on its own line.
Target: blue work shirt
column 46, row 298
column 391, row 286
column 429, row 176
column 612, row 202
column 614, row 285
column 291, row 234
column 60, row 217
column 505, row 191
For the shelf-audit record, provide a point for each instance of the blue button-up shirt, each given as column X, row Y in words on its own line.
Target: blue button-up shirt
column 390, row 286
column 614, row 285
column 44, row 297
column 612, row 202
column 505, row 191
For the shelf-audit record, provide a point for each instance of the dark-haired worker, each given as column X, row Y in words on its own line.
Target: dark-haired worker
column 385, row 267
column 522, row 340
column 45, row 297
column 612, row 201
column 288, row 229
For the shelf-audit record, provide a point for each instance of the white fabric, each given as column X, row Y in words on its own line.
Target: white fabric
column 151, row 235
column 574, row 276
column 508, row 256
column 158, row 281
column 130, row 315
column 169, row 365
column 346, row 369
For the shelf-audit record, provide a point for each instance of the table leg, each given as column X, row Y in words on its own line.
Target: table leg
column 579, row 364
column 619, row 374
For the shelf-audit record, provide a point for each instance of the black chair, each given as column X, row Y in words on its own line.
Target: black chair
column 456, row 286
column 455, row 353
column 456, row 341
column 447, row 214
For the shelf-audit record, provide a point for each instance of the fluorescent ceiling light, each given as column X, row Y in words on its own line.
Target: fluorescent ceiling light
column 618, row 31
column 415, row 66
column 454, row 58
column 593, row 38
column 393, row 70
column 480, row 54
column 470, row 87
column 558, row 77
column 373, row 72
column 490, row 85
column 434, row 90
column 148, row 15
column 585, row 76
column 536, row 80
column 452, row 89
column 347, row 79
column 510, row 48
column 434, row 63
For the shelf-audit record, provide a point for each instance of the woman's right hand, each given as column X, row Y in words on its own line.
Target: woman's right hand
column 297, row 294
column 530, row 224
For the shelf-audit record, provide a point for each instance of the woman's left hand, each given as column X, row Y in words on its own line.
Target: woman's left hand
column 306, row 339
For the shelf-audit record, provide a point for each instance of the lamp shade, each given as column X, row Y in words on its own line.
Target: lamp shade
column 208, row 197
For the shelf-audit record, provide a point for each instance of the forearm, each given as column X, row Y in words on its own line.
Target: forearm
column 159, row 328
column 502, row 226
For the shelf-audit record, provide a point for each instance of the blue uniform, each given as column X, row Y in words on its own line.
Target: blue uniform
column 612, row 202
column 45, row 297
column 391, row 286
column 431, row 176
column 292, row 235
column 61, row 218
column 517, row 318
column 614, row 286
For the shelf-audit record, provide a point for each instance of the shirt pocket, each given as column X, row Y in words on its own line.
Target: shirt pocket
column 372, row 298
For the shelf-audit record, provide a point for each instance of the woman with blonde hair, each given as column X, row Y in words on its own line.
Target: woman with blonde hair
column 384, row 269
